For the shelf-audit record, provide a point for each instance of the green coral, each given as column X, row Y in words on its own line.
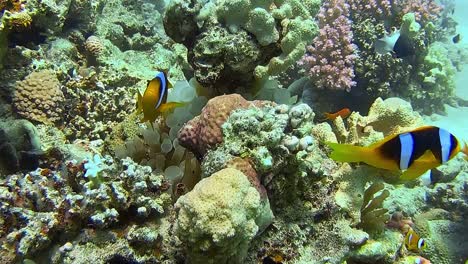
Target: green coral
column 299, row 33
column 373, row 215
column 437, row 75
column 277, row 30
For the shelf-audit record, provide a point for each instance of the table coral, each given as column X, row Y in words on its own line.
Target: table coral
column 39, row 97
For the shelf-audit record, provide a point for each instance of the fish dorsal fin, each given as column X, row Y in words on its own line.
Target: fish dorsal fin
column 168, row 83
column 389, row 137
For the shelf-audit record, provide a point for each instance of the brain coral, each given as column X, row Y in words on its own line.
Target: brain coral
column 38, row 97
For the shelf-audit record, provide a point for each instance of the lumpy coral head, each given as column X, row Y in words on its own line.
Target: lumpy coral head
column 220, row 216
column 204, row 131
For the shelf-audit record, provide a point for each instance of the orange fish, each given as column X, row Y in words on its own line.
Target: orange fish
column 153, row 102
column 414, row 242
column 344, row 113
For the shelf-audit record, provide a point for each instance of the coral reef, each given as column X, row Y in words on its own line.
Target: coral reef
column 204, row 131
column 20, row 146
column 233, row 41
column 41, row 204
column 221, row 179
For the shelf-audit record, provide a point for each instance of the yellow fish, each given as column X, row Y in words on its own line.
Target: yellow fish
column 153, row 102
column 413, row 242
column 414, row 151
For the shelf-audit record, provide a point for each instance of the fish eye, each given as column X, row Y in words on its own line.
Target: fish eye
column 421, row 243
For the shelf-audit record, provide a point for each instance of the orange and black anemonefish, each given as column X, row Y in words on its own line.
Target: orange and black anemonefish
column 413, row 152
column 153, row 102
column 414, row 242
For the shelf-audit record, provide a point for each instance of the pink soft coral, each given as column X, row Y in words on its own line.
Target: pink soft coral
column 424, row 10
column 331, row 56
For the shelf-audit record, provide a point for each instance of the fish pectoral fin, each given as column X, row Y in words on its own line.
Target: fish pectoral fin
column 139, row 102
column 170, row 106
column 413, row 173
column 419, row 167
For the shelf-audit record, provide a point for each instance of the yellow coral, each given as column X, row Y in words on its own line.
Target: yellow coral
column 12, row 5
column 18, row 21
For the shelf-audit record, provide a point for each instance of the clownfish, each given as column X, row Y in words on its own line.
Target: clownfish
column 345, row 112
column 414, row 151
column 153, row 102
column 414, row 242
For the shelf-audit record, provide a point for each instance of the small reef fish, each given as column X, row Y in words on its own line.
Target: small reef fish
column 413, row 242
column 153, row 102
column 456, row 39
column 395, row 43
column 414, row 151
column 345, row 112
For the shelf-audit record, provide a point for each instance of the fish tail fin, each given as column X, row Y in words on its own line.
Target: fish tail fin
column 348, row 153
column 464, row 150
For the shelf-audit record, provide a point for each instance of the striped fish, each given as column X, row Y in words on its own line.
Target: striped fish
column 413, row 152
column 153, row 102
column 413, row 242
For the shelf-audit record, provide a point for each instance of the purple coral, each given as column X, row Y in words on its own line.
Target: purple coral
column 370, row 9
column 424, row 10
column 331, row 56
